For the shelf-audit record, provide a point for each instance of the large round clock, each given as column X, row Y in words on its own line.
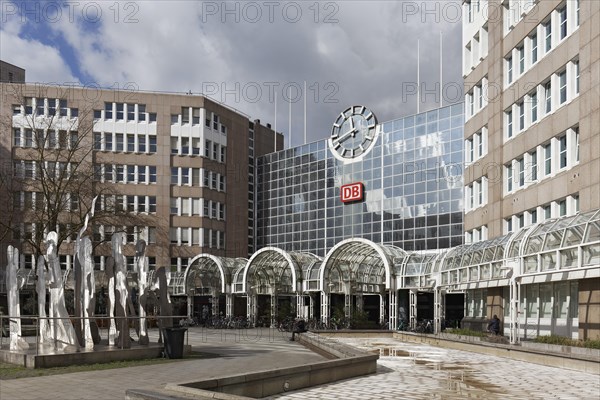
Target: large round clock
column 353, row 133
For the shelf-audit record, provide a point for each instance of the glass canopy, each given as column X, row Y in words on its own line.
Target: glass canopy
column 366, row 265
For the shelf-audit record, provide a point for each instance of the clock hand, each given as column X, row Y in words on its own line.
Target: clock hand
column 345, row 135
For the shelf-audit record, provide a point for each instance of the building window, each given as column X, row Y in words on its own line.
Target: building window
column 562, row 208
column 521, row 107
column 563, row 22
column 131, row 173
column 562, row 156
column 533, row 166
column 548, row 159
column 576, row 144
column 152, row 174
column 509, row 124
column 130, row 112
column 141, row 143
column 576, row 77
column 534, row 48
column 120, row 115
column 548, row 34
column 548, row 95
column 509, row 178
column 207, row 148
column 510, row 69
column 174, row 176
column 108, row 142
column 521, row 51
column 562, row 81
column 521, row 163
column 534, row 107
column 130, row 143
column 152, row 144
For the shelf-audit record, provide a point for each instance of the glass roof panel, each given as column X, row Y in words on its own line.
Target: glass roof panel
column 553, row 240
column 593, row 233
column 573, row 235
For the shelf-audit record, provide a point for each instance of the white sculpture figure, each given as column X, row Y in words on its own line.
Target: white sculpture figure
column 85, row 277
column 110, row 275
column 121, row 291
column 62, row 328
column 142, row 270
column 14, row 310
column 84, row 252
column 44, row 333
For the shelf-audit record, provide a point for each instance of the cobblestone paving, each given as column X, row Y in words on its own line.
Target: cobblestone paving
column 414, row 371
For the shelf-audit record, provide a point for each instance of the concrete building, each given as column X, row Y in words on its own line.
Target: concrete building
column 11, row 73
column 181, row 163
column 532, row 146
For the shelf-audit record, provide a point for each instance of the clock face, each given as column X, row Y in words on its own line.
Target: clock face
column 353, row 133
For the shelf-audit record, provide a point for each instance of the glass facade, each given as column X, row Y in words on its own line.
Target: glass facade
column 413, row 189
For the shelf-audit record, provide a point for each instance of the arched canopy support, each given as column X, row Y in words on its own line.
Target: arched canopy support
column 365, row 265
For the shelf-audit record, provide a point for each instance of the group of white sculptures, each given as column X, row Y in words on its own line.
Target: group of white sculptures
column 57, row 329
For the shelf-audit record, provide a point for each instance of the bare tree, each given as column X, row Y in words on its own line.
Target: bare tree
column 54, row 175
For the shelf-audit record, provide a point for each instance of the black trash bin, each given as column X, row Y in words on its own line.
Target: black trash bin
column 174, row 342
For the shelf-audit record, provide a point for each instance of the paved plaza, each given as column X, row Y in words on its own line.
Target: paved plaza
column 405, row 370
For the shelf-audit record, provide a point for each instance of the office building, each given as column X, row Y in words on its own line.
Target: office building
column 177, row 166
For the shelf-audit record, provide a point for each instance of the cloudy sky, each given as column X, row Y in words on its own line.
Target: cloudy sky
column 246, row 53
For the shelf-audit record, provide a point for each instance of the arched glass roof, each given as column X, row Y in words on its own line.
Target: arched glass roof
column 367, row 265
column 564, row 232
column 272, row 270
column 554, row 244
column 487, row 251
column 208, row 274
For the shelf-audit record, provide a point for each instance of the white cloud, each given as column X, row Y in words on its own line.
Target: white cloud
column 42, row 63
column 364, row 58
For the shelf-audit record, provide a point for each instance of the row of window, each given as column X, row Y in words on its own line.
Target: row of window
column 48, row 139
column 100, row 263
column 104, row 233
column 476, row 98
column 133, row 174
column 130, row 203
column 214, row 151
column 43, row 169
column 26, row 201
column 476, row 194
column 476, row 235
column 191, row 114
column 197, row 207
column 127, row 143
column 514, row 11
column 124, row 112
column 558, row 154
column 198, row 177
column 202, row 237
column 558, row 208
column 561, row 23
column 545, row 98
column 544, row 300
column 476, row 146
column 45, row 107
column 475, row 50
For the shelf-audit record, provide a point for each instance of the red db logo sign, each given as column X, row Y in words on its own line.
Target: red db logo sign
column 351, row 192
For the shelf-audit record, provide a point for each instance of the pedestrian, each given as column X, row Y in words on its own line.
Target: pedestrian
column 299, row 327
column 494, row 325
